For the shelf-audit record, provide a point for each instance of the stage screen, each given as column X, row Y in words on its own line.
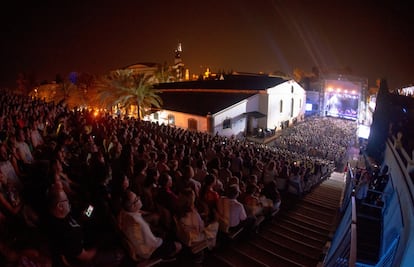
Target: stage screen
column 342, row 99
column 342, row 105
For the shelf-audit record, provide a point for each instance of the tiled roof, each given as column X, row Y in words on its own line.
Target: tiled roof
column 194, row 97
column 230, row 82
column 200, row 103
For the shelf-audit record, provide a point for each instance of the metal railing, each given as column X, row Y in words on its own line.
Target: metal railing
column 343, row 250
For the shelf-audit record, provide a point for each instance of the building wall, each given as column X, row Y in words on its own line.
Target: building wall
column 267, row 102
column 257, row 103
column 283, row 93
column 180, row 119
column 237, row 121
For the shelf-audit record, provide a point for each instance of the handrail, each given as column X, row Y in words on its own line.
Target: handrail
column 350, row 171
column 339, row 249
column 354, row 214
column 353, row 250
column 344, row 247
column 343, row 250
column 349, row 181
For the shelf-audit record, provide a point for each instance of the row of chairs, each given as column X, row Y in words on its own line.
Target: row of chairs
column 196, row 249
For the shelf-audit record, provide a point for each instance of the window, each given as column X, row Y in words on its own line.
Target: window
column 281, row 106
column 292, row 105
column 171, row 119
column 192, row 124
column 226, row 124
column 156, row 115
column 292, row 89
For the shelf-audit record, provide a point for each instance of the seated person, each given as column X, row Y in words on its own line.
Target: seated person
column 166, row 197
column 13, row 206
column 22, row 148
column 68, row 236
column 232, row 215
column 11, row 171
column 138, row 232
column 20, row 245
column 23, row 253
column 187, row 180
column 295, row 183
column 10, row 198
column 270, row 197
column 190, row 223
column 250, row 200
column 167, row 202
column 207, row 202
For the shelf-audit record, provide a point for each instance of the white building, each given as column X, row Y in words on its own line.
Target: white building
column 238, row 104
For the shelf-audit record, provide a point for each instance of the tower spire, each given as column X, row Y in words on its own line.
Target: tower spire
column 178, row 63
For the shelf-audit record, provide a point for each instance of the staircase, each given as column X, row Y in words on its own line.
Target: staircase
column 297, row 236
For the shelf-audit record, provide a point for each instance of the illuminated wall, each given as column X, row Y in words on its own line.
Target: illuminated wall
column 178, row 119
column 286, row 102
column 238, row 122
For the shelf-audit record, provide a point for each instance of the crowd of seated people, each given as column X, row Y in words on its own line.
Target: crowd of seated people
column 135, row 179
column 326, row 138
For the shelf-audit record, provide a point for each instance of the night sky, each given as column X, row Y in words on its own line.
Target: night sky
column 375, row 39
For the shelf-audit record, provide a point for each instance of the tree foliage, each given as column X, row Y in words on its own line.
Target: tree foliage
column 123, row 88
column 73, row 90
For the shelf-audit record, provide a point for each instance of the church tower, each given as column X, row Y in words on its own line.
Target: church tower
column 178, row 63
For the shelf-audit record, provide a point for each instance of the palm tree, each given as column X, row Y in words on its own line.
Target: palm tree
column 71, row 90
column 163, row 74
column 124, row 88
column 64, row 91
column 84, row 82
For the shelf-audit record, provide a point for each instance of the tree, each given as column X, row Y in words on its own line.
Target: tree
column 85, row 84
column 163, row 74
column 298, row 75
column 123, row 88
column 66, row 92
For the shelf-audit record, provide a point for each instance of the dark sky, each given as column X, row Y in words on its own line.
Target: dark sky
column 373, row 38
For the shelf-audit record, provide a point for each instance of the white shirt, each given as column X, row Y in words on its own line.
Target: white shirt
column 193, row 225
column 196, row 186
column 23, row 150
column 231, row 211
column 194, row 230
column 139, row 233
column 36, row 138
column 7, row 169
